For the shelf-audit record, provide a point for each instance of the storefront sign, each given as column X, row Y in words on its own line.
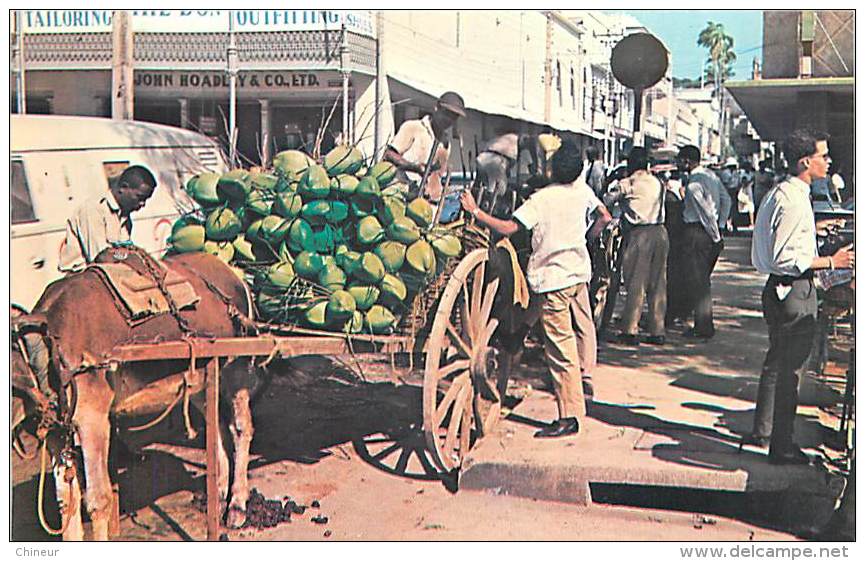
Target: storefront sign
column 219, row 80
column 199, row 21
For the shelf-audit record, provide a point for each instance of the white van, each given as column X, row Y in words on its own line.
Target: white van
column 58, row 162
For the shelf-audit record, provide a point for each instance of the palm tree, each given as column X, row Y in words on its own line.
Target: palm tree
column 721, row 58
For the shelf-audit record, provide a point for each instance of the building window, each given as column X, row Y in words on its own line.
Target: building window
column 19, row 194
column 559, row 81
column 586, row 100
column 573, row 91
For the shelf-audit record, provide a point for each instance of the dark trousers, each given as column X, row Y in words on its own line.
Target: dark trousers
column 699, row 259
column 792, row 323
column 644, row 268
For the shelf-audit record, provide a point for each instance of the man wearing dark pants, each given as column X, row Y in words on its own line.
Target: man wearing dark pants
column 785, row 248
column 702, row 239
column 644, row 262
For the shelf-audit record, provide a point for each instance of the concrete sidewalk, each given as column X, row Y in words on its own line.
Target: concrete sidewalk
column 666, row 416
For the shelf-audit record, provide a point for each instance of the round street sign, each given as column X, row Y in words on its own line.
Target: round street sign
column 639, row 61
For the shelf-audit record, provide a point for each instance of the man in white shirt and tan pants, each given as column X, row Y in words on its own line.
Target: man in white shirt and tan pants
column 559, row 271
column 785, row 248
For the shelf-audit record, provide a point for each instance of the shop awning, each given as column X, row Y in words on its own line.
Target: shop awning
column 772, row 105
column 485, row 102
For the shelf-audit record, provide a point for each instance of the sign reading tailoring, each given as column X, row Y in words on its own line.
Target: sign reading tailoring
column 245, row 80
column 199, row 21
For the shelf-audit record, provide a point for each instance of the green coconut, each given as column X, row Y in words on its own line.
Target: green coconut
column 323, row 238
column 370, row 269
column 420, row 211
column 291, row 164
column 188, row 238
column 343, row 159
column 364, row 295
column 187, row 220
column 287, row 204
column 396, row 190
column 243, row 249
column 314, row 183
column 315, row 212
column 263, row 181
column 233, row 186
column 445, row 243
column 392, row 254
column 344, row 184
column 254, row 230
column 403, row 230
column 384, row 172
column 391, row 208
column 300, row 236
column 349, row 261
column 392, row 288
column 356, row 323
column 379, row 319
column 202, row 189
column 223, row 250
column 332, row 277
column 222, row 224
column 369, row 231
column 316, row 316
column 273, row 229
column 280, row 275
column 259, row 202
column 284, row 253
column 368, row 187
column 421, row 258
column 337, row 212
column 340, row 306
column 308, row 265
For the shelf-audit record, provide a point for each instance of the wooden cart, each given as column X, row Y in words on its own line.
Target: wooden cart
column 453, row 330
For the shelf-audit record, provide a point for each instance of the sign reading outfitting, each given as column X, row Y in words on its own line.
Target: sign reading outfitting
column 178, row 80
column 198, row 21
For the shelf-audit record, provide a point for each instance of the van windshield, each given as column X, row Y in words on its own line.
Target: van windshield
column 20, row 202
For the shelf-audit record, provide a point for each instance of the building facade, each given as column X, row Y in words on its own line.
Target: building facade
column 806, row 80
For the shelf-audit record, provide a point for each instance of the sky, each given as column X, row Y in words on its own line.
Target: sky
column 679, row 29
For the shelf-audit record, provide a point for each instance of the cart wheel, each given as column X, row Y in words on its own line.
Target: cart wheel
column 460, row 402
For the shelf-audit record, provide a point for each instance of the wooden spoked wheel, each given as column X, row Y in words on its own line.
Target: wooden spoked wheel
column 460, row 399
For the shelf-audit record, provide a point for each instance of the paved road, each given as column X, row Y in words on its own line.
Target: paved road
column 322, row 434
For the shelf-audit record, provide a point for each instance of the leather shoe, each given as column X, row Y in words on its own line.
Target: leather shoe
column 628, row 339
column 793, row 456
column 588, row 390
column 655, row 340
column 562, row 427
column 693, row 334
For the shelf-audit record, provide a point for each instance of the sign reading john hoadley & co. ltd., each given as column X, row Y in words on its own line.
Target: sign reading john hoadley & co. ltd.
column 198, row 21
column 258, row 80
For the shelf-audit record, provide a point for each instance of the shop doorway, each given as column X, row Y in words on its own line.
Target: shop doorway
column 296, row 127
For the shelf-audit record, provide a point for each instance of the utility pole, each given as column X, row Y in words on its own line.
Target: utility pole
column 380, row 77
column 232, row 90
column 548, row 71
column 20, row 84
column 343, row 68
column 122, row 95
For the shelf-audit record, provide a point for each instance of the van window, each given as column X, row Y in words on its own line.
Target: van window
column 114, row 169
column 19, row 194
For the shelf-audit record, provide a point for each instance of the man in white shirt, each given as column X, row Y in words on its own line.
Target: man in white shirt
column 644, row 261
column 495, row 164
column 559, row 271
column 785, row 248
column 410, row 148
column 105, row 220
column 702, row 242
